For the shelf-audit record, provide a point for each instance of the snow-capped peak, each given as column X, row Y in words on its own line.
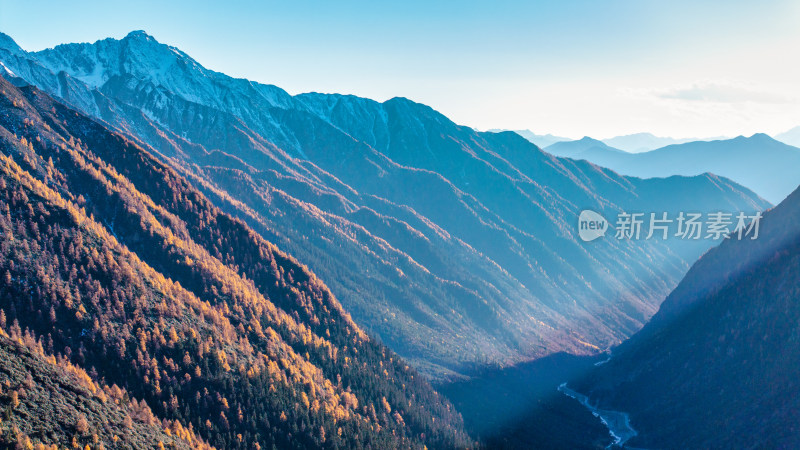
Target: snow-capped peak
column 8, row 44
column 139, row 34
column 138, row 54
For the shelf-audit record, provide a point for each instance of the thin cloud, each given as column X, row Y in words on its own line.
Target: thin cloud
column 716, row 92
column 718, row 107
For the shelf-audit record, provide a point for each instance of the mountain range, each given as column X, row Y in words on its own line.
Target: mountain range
column 455, row 248
column 759, row 162
column 631, row 143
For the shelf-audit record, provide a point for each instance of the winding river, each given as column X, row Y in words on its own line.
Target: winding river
column 618, row 423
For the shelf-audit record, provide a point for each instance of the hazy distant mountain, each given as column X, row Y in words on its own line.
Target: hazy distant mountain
column 540, row 140
column 791, row 137
column 759, row 162
column 585, row 148
column 631, row 143
column 642, row 142
column 455, row 248
column 717, row 366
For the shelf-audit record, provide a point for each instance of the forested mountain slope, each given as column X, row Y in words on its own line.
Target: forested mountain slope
column 115, row 263
column 51, row 401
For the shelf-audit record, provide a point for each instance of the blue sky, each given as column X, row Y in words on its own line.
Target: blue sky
column 599, row 68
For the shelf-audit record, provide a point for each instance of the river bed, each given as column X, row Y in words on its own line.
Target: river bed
column 618, row 423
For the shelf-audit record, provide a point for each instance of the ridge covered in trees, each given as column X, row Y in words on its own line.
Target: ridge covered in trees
column 79, row 410
column 112, row 262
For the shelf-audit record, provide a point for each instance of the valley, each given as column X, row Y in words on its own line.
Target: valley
column 193, row 258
